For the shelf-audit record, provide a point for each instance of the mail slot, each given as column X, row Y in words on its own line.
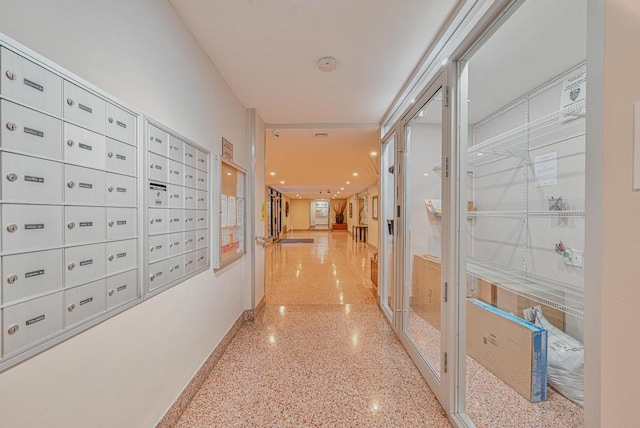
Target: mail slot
column 176, row 268
column 30, row 274
column 190, row 220
column 84, row 225
column 176, row 220
column 158, row 247
column 202, row 258
column 84, row 264
column 190, row 196
column 176, row 196
column 31, row 227
column 158, row 195
column 84, row 186
column 190, row 241
column 158, row 140
column 121, row 256
column 83, row 147
column 190, row 177
column 190, row 155
column 202, row 162
column 121, row 223
column 176, row 149
column 83, row 108
column 120, row 158
column 158, row 274
column 27, row 179
column 28, row 83
column 176, row 243
column 120, row 125
column 158, row 221
column 190, row 263
column 202, row 199
column 29, row 323
column 202, row 180
column 158, row 168
column 202, row 238
column 30, row 132
column 85, row 302
column 122, row 288
column 121, row 190
column 202, row 219
column 176, row 171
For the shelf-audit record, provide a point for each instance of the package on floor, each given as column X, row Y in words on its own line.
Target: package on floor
column 513, row 349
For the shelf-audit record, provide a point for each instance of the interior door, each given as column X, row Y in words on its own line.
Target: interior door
column 422, row 234
column 388, row 204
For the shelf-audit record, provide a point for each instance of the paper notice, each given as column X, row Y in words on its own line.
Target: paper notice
column 574, row 88
column 231, row 210
column 240, row 212
column 546, row 169
column 223, row 211
column 240, row 185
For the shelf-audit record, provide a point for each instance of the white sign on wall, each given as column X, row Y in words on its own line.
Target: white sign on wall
column 574, row 88
column 546, row 169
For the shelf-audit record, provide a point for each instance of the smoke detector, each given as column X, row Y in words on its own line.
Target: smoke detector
column 327, row 64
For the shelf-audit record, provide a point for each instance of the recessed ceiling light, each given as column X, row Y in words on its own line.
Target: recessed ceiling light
column 338, row 192
column 480, row 154
column 228, row 173
column 425, row 174
column 272, row 173
column 374, row 153
column 281, row 181
column 342, row 188
column 445, row 61
column 413, row 100
column 297, row 194
column 355, row 174
column 348, row 182
column 327, row 64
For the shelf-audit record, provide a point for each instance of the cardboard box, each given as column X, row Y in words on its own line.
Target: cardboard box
column 487, row 292
column 515, row 304
column 426, row 289
column 511, row 348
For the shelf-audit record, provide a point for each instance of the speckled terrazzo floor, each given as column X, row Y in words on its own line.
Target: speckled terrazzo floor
column 321, row 355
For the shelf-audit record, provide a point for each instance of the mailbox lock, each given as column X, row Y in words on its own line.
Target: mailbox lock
column 11, row 75
column 151, row 249
column 11, row 126
column 12, row 278
column 12, row 228
column 71, row 266
column 71, row 307
column 151, row 165
column 110, row 189
column 152, row 221
column 70, row 143
column 171, row 245
column 110, row 154
column 171, row 269
column 13, row 329
column 12, row 177
column 111, row 223
column 110, row 257
column 110, row 120
column 152, row 277
column 170, row 220
column 111, row 292
column 70, row 101
column 71, row 184
column 71, row 225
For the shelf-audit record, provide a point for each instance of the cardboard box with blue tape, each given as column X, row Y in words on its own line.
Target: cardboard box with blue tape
column 511, row 348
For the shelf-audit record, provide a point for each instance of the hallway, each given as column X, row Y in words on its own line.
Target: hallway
column 321, row 354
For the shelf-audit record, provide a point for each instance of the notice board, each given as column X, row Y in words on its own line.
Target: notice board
column 230, row 207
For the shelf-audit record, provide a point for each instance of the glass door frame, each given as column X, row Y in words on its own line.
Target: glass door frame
column 391, row 311
column 440, row 383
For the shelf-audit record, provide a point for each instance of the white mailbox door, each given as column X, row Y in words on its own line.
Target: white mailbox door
column 27, row 179
column 30, row 274
column 83, row 108
column 31, row 227
column 122, row 288
column 84, row 186
column 85, row 302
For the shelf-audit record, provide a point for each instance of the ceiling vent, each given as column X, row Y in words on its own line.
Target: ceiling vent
column 321, row 135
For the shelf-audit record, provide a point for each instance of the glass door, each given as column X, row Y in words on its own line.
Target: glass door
column 388, row 205
column 422, row 234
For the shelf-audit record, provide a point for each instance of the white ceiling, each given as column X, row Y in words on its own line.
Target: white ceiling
column 267, row 51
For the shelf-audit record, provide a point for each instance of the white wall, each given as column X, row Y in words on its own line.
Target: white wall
column 612, row 378
column 260, row 191
column 373, row 230
column 128, row 370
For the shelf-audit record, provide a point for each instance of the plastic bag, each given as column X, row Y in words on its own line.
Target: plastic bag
column 565, row 358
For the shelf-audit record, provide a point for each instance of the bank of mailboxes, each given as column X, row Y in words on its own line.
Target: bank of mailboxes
column 69, row 239
column 178, row 202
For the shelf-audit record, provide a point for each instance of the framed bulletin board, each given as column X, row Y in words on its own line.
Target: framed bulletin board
column 229, row 200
